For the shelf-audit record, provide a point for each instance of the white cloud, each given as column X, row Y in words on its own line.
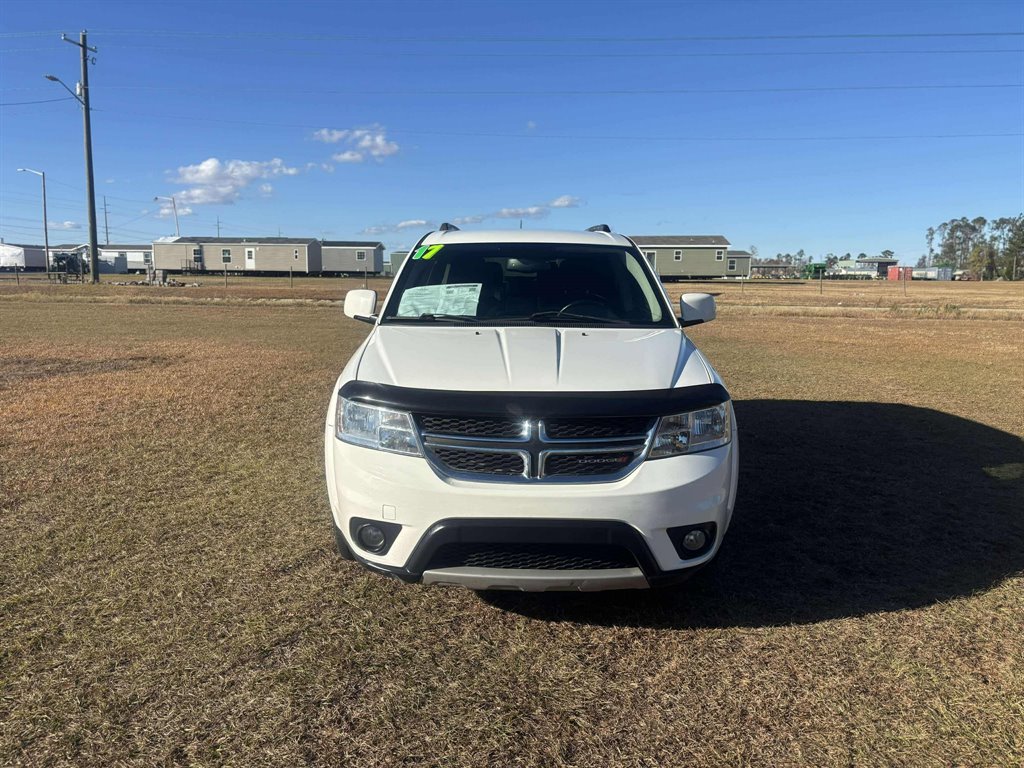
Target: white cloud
column 216, row 181
column 380, row 229
column 375, row 144
column 348, row 156
column 330, row 135
column 566, row 201
column 63, row 225
column 167, row 211
column 526, row 212
column 530, row 212
column 109, row 181
column 366, row 142
column 266, row 189
column 530, row 125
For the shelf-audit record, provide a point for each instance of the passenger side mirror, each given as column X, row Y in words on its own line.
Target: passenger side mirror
column 361, row 304
column 696, row 308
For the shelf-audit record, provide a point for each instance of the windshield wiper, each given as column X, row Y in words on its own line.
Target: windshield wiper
column 432, row 317
column 554, row 314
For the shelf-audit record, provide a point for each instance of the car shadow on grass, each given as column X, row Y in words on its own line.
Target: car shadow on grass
column 844, row 509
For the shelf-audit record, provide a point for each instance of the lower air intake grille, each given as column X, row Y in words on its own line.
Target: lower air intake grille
column 480, row 462
column 553, row 557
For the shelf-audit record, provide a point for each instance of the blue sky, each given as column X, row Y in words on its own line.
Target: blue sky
column 758, row 120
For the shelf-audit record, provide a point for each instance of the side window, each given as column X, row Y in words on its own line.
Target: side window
column 678, row 255
column 732, row 265
column 360, row 255
column 719, row 255
column 196, row 252
column 225, row 255
column 296, row 253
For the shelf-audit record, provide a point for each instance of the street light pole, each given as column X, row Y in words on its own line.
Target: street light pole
column 174, row 207
column 83, row 99
column 46, row 226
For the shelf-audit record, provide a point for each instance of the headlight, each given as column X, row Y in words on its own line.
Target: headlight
column 374, row 427
column 692, row 432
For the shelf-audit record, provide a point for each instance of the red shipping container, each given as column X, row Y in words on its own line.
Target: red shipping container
column 901, row 273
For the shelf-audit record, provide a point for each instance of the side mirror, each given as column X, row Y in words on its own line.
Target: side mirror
column 361, row 304
column 696, row 308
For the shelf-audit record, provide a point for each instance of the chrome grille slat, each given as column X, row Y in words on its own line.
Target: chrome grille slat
column 523, row 450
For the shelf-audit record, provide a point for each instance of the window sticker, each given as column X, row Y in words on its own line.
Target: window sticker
column 426, row 252
column 453, row 299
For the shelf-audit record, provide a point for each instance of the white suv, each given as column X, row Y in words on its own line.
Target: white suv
column 527, row 413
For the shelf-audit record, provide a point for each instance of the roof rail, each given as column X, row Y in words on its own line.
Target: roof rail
column 446, row 227
column 600, row 228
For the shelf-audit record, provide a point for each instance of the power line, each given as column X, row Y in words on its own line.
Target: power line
column 27, row 34
column 579, row 92
column 39, row 101
column 433, row 39
column 441, row 53
column 144, row 116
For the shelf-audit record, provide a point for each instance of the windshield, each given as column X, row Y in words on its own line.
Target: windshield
column 531, row 283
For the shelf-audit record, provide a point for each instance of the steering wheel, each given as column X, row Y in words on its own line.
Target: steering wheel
column 594, row 300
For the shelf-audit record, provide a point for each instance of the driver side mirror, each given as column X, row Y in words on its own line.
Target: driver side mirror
column 696, row 308
column 361, row 304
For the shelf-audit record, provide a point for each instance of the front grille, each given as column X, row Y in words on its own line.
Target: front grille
column 588, row 464
column 597, row 429
column 480, row 462
column 517, row 448
column 554, row 557
column 458, row 426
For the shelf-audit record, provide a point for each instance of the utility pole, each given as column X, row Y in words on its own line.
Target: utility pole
column 86, row 49
column 106, row 223
column 218, row 226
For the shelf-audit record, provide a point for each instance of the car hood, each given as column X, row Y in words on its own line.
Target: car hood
column 531, row 359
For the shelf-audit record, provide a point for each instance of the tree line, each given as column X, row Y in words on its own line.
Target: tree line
column 986, row 248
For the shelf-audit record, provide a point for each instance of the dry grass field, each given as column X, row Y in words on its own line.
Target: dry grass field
column 169, row 593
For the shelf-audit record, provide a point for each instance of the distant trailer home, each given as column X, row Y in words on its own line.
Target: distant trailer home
column 692, row 257
column 397, row 259
column 125, row 258
column 352, row 257
column 24, row 258
column 248, row 255
column 879, row 264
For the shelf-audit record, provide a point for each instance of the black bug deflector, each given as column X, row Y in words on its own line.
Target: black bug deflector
column 646, row 402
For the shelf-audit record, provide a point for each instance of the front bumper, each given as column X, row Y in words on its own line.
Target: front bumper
column 658, row 496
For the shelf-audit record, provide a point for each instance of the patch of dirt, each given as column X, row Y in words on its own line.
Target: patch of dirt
column 14, row 370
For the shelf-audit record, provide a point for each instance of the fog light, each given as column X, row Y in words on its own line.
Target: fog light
column 372, row 538
column 695, row 539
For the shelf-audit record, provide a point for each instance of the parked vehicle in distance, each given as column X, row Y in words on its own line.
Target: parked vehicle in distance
column 528, row 413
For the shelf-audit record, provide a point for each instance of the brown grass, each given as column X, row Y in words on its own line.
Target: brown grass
column 169, row 595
